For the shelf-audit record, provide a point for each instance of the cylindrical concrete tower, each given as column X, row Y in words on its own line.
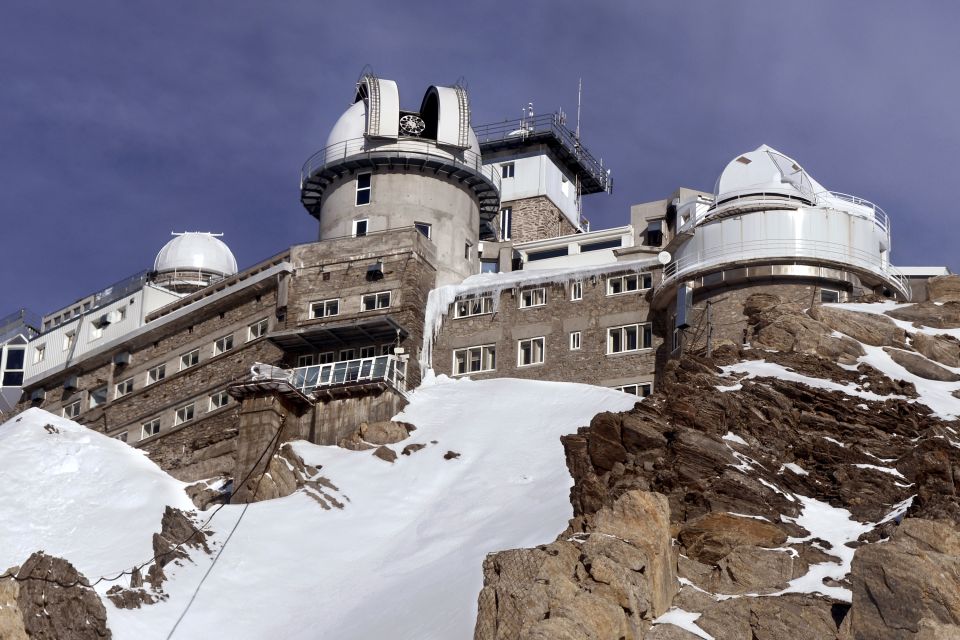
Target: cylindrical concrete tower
column 193, row 260
column 385, row 169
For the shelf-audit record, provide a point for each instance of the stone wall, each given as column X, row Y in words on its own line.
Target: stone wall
column 537, row 219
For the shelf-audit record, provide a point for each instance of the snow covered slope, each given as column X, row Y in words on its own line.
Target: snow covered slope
column 402, row 559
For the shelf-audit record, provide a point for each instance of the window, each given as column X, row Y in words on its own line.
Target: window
column 616, row 243
column 626, row 284
column 655, row 233
column 347, row 354
column 475, row 359
column 97, row 396
column 374, row 301
column 123, row 388
column 157, row 374
column 533, row 298
column 223, row 345
column 829, row 295
column 546, row 254
column 13, row 369
column 71, row 410
column 95, row 333
column 219, row 399
column 386, row 349
column 631, row 337
column 122, row 437
column 574, row 340
column 68, row 339
column 305, row 361
column 151, row 428
column 326, row 357
column 642, row 389
column 368, row 352
column 576, row 290
column 39, row 353
column 190, row 359
column 363, row 192
column 473, row 306
column 506, row 223
column 359, row 228
column 424, row 228
column 257, row 329
column 530, row 352
column 183, row 414
column 325, row 308
column 467, row 250
column 507, row 170
column 489, row 266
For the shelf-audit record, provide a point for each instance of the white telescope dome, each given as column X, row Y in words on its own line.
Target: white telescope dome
column 765, row 170
column 196, row 251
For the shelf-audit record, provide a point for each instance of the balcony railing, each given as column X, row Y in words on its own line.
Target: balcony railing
column 743, row 252
column 389, row 369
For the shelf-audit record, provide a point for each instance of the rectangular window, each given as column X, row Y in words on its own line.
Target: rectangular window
column 184, row 414
column 617, row 285
column 151, row 428
column 123, row 388
column 489, row 266
column 574, row 340
column 71, row 410
column 95, row 333
column 157, row 374
column 533, row 298
column 506, row 223
column 576, row 290
column 13, row 369
column 325, row 308
column 68, row 339
column 305, row 361
column 829, row 295
column 97, row 397
column 546, row 254
column 122, row 437
column 374, row 301
column 364, row 189
column 223, row 345
column 642, row 389
column 368, row 352
column 467, row 250
column 257, row 330
column 39, row 353
column 602, row 244
column 346, row 354
column 530, row 352
column 507, row 170
column 475, row 359
column 219, row 399
column 424, row 228
column 631, row 337
column 473, row 306
column 360, row 228
column 326, row 357
column 190, row 359
column 386, row 349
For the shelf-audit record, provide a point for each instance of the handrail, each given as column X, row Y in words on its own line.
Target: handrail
column 340, row 151
column 785, row 249
column 880, row 216
column 377, row 368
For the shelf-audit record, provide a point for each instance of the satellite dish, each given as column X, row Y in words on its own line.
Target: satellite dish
column 664, row 257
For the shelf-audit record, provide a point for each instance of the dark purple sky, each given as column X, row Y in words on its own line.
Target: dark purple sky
column 120, row 124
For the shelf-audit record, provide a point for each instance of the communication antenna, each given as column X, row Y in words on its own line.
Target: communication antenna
column 579, row 93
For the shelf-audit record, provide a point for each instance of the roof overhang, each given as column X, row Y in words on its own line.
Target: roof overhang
column 345, row 333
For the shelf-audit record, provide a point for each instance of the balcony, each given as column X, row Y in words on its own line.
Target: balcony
column 379, row 370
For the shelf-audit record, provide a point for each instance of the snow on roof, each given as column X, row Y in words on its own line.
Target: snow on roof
column 440, row 299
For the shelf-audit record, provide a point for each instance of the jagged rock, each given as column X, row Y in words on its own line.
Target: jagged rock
column 920, row 366
column 386, row 432
column 451, row 455
column 177, row 532
column 943, row 349
column 385, row 453
column 929, row 314
column 910, row 586
column 750, row 569
column 944, row 288
column 50, row 600
column 713, row 536
column 868, row 328
column 412, row 448
column 782, row 327
column 204, row 496
column 130, row 598
column 792, row 616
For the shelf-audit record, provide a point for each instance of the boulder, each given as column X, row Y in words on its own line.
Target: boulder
column 944, row 288
column 920, row 366
column 868, row 328
column 929, row 314
column 943, row 349
column 385, row 453
column 749, row 569
column 783, row 329
column 711, row 537
column 386, row 432
column 910, row 586
column 412, row 448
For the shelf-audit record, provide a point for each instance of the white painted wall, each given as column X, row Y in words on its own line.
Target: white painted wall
column 537, row 175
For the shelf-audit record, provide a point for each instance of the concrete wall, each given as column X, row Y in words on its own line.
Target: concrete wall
column 536, row 218
column 401, row 198
column 537, row 173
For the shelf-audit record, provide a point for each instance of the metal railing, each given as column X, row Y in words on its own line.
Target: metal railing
column 880, row 217
column 364, row 147
column 388, row 369
column 546, row 123
column 740, row 252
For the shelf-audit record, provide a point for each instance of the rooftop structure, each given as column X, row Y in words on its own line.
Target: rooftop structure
column 192, row 260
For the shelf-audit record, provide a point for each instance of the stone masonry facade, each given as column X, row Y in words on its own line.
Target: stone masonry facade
column 537, row 218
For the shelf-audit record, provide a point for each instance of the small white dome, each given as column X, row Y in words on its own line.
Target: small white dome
column 196, row 251
column 351, row 125
column 765, row 170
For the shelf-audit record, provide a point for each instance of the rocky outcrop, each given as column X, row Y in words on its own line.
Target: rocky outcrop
column 386, row 432
column 50, row 600
column 930, row 314
column 783, row 327
column 868, row 328
column 920, row 366
column 943, row 349
column 944, row 288
column 608, row 580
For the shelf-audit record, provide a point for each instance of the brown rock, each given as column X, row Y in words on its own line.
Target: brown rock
column 749, row 569
column 354, row 442
column 868, row 328
column 203, row 496
column 604, row 446
column 920, row 366
column 943, row 349
column 385, row 453
column 711, row 537
column 780, row 329
column 451, row 455
column 412, row 448
column 944, row 288
column 386, row 432
column 929, row 314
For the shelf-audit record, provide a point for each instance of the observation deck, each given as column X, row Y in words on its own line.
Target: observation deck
column 378, row 370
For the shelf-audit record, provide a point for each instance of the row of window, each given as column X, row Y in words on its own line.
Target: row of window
column 368, row 302
column 327, row 357
column 532, row 351
column 181, row 415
